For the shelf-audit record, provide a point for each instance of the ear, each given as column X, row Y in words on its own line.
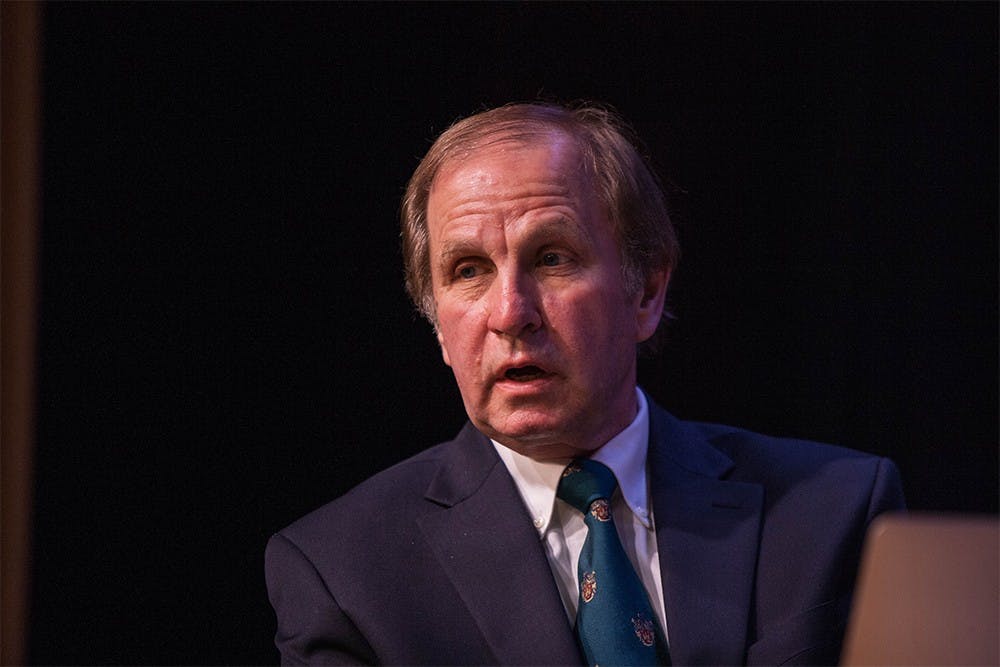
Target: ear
column 444, row 348
column 649, row 309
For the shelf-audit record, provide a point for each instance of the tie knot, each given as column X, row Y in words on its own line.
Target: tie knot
column 584, row 481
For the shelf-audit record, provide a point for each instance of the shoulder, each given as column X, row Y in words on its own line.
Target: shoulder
column 815, row 487
column 791, row 470
column 779, row 454
column 783, row 461
column 389, row 502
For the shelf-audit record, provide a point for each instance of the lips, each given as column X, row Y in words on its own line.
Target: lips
column 524, row 373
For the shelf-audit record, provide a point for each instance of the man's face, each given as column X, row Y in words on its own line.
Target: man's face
column 533, row 317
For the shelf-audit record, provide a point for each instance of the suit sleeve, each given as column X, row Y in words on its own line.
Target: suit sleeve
column 887, row 490
column 814, row 636
column 312, row 628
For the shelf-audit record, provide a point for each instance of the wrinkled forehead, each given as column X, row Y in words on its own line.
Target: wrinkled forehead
column 508, row 176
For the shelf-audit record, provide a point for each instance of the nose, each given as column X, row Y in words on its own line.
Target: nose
column 514, row 307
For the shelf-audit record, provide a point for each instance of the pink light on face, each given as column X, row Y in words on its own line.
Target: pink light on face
column 533, row 314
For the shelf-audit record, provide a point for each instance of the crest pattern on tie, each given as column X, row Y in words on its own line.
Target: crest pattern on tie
column 615, row 624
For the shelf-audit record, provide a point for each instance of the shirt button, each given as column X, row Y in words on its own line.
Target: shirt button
column 538, row 522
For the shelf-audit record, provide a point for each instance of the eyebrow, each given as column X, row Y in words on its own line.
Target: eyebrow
column 567, row 223
column 560, row 226
column 452, row 250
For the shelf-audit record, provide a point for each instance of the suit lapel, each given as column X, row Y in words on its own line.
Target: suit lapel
column 485, row 542
column 707, row 533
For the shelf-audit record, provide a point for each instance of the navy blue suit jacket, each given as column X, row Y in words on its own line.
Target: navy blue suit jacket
column 436, row 561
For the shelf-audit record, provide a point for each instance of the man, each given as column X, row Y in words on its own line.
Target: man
column 538, row 244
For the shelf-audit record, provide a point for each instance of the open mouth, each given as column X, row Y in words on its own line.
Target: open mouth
column 524, row 373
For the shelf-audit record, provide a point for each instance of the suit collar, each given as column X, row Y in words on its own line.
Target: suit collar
column 707, row 533
column 681, row 450
column 485, row 542
column 469, row 461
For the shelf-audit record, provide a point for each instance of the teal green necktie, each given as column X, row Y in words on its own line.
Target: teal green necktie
column 615, row 624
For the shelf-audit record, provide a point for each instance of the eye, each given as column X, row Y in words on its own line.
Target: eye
column 551, row 259
column 467, row 272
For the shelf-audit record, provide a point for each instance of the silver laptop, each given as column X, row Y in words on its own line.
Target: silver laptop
column 927, row 593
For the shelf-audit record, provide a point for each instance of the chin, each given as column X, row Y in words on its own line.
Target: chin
column 542, row 449
column 533, row 430
column 534, row 433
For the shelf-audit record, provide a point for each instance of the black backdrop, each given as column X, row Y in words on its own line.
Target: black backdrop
column 225, row 343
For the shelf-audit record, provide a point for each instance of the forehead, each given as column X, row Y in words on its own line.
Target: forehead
column 506, row 168
column 515, row 193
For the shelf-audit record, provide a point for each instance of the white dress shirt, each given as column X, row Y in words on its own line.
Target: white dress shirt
column 561, row 526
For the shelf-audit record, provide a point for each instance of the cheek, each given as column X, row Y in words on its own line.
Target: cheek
column 457, row 337
column 591, row 320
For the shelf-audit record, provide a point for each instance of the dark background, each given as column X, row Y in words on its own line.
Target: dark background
column 225, row 343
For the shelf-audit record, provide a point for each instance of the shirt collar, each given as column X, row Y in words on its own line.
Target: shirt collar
column 625, row 454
